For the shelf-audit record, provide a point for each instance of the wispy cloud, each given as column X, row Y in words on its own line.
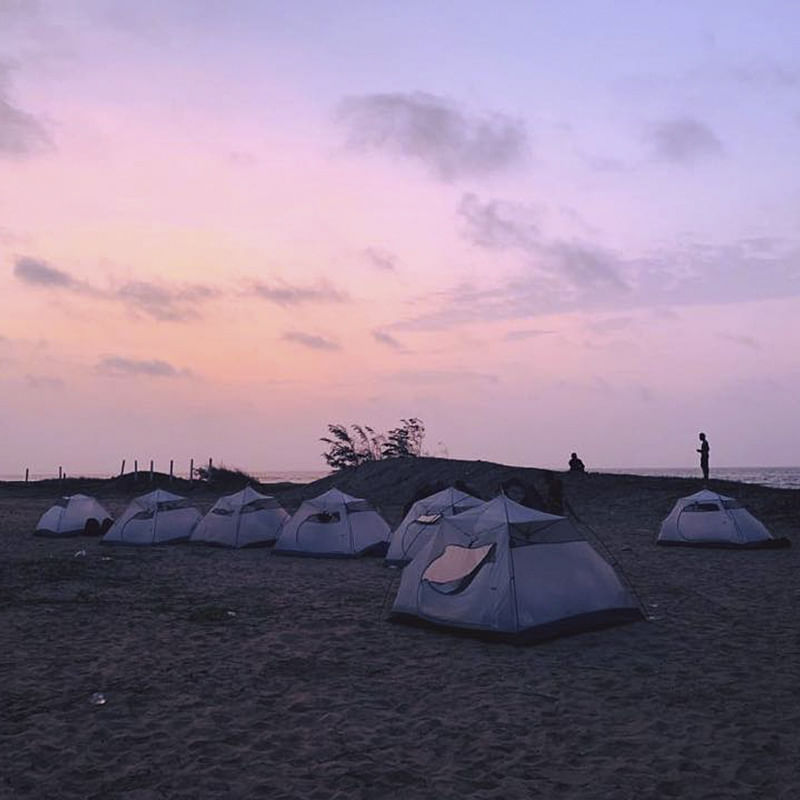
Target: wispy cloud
column 162, row 302
column 284, row 294
column 380, row 259
column 432, row 130
column 498, row 225
column 119, row 366
column 591, row 278
column 742, row 341
column 46, row 382
column 386, row 339
column 36, row 272
column 587, row 267
column 610, row 324
column 522, row 335
column 683, row 140
column 447, row 376
column 21, row 133
column 310, row 340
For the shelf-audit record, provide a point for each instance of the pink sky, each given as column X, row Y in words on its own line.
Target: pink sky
column 221, row 232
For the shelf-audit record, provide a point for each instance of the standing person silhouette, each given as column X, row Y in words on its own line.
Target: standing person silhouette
column 704, row 450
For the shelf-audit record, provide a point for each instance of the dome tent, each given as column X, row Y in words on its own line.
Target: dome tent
column 72, row 516
column 423, row 520
column 334, row 524
column 155, row 518
column 513, row 572
column 244, row 519
column 708, row 519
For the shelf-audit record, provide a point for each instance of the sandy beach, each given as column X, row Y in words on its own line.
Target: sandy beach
column 236, row 674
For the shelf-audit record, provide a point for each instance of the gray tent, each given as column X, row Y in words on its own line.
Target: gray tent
column 708, row 519
column 509, row 570
column 334, row 524
column 72, row 516
column 422, row 521
column 244, row 519
column 155, row 518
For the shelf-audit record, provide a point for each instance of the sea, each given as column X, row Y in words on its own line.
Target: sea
column 777, row 477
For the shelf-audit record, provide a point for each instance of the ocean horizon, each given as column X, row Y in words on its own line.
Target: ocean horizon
column 775, row 477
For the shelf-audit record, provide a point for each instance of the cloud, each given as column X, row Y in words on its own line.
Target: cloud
column 36, row 272
column 587, row 267
column 766, row 73
column 683, row 140
column 21, row 134
column 427, row 128
column 164, row 303
column 43, row 382
column 498, row 225
column 157, row 300
column 742, row 341
column 310, row 340
column 242, row 158
column 284, row 294
column 119, row 366
column 386, row 339
column 606, row 164
column 518, row 336
column 380, row 259
column 436, row 377
column 597, row 280
column 610, row 324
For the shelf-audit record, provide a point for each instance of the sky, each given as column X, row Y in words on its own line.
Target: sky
column 540, row 227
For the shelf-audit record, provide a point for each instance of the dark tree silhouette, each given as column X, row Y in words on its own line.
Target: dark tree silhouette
column 360, row 444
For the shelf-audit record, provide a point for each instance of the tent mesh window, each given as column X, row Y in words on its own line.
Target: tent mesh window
column 358, row 505
column 731, row 504
column 325, row 517
column 172, row 505
column 700, row 508
column 222, row 512
column 260, row 505
column 523, row 534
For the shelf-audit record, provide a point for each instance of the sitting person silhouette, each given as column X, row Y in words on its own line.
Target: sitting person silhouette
column 575, row 464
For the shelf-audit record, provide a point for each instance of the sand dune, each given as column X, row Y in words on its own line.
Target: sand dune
column 233, row 674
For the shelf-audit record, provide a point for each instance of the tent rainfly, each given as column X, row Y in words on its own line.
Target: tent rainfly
column 708, row 519
column 72, row 516
column 334, row 525
column 513, row 572
column 422, row 521
column 155, row 518
column 245, row 519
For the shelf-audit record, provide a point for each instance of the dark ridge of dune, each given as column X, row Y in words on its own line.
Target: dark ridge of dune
column 391, row 484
